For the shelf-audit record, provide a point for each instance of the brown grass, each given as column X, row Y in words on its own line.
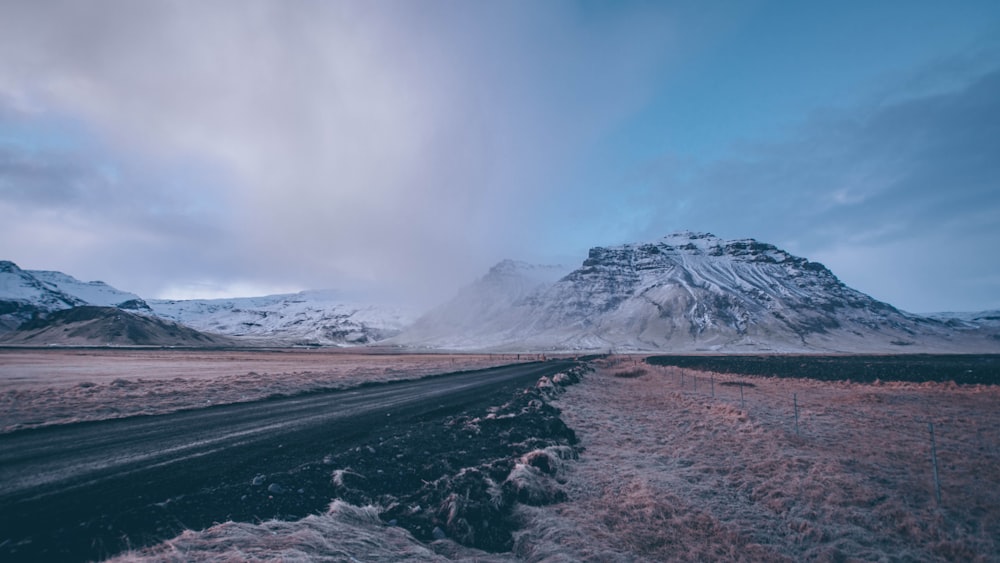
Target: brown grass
column 44, row 387
column 670, row 473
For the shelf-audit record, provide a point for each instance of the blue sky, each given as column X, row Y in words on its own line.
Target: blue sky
column 183, row 149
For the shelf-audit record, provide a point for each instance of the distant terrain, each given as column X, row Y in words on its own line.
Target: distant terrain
column 92, row 325
column 686, row 293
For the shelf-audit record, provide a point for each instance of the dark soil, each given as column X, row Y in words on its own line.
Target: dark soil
column 437, row 474
column 445, row 474
column 961, row 369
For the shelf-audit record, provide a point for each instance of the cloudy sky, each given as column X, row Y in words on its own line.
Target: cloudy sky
column 180, row 149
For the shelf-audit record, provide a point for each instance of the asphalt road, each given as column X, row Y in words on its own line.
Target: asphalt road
column 86, row 491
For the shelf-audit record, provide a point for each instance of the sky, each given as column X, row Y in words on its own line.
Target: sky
column 400, row 148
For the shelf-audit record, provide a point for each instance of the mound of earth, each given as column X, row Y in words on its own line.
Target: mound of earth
column 107, row 326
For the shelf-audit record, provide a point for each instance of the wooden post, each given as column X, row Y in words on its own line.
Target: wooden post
column 795, row 401
column 713, row 386
column 743, row 405
column 937, row 480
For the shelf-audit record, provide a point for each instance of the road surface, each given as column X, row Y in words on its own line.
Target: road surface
column 86, row 491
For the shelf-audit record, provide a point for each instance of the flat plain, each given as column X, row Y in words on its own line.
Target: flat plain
column 675, row 464
column 41, row 387
column 697, row 466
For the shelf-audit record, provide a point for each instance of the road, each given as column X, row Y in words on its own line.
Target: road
column 84, row 491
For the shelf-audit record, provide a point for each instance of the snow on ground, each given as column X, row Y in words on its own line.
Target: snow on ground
column 58, row 386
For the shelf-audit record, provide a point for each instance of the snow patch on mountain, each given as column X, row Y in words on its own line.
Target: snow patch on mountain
column 95, row 293
column 321, row 317
column 979, row 319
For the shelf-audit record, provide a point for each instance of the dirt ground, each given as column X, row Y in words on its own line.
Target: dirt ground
column 40, row 387
column 671, row 472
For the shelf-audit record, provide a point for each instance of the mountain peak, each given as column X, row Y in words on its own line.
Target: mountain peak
column 684, row 246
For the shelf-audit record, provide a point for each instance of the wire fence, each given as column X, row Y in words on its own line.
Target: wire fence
column 956, row 442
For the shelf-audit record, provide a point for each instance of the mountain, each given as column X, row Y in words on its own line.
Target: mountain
column 479, row 314
column 89, row 325
column 26, row 294
column 308, row 317
column 980, row 319
column 92, row 293
column 686, row 292
column 19, row 285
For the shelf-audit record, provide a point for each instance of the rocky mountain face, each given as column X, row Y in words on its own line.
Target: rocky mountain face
column 26, row 294
column 685, row 292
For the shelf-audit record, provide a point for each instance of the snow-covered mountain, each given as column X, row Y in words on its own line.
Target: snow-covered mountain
column 27, row 293
column 980, row 319
column 308, row 317
column 95, row 293
column 685, row 292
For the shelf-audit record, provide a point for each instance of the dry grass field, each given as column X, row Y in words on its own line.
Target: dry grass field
column 671, row 472
column 40, row 387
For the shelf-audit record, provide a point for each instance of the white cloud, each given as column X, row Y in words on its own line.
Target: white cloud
column 417, row 141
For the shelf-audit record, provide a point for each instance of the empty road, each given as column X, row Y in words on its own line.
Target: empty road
column 84, row 491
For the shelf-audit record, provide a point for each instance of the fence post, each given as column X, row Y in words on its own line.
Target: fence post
column 743, row 405
column 937, row 480
column 713, row 386
column 795, row 402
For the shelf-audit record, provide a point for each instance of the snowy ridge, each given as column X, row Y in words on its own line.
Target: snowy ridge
column 17, row 285
column 92, row 293
column 690, row 292
column 980, row 319
column 23, row 296
column 308, row 317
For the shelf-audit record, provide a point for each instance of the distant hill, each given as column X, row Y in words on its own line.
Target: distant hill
column 309, row 317
column 27, row 294
column 90, row 325
column 321, row 317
